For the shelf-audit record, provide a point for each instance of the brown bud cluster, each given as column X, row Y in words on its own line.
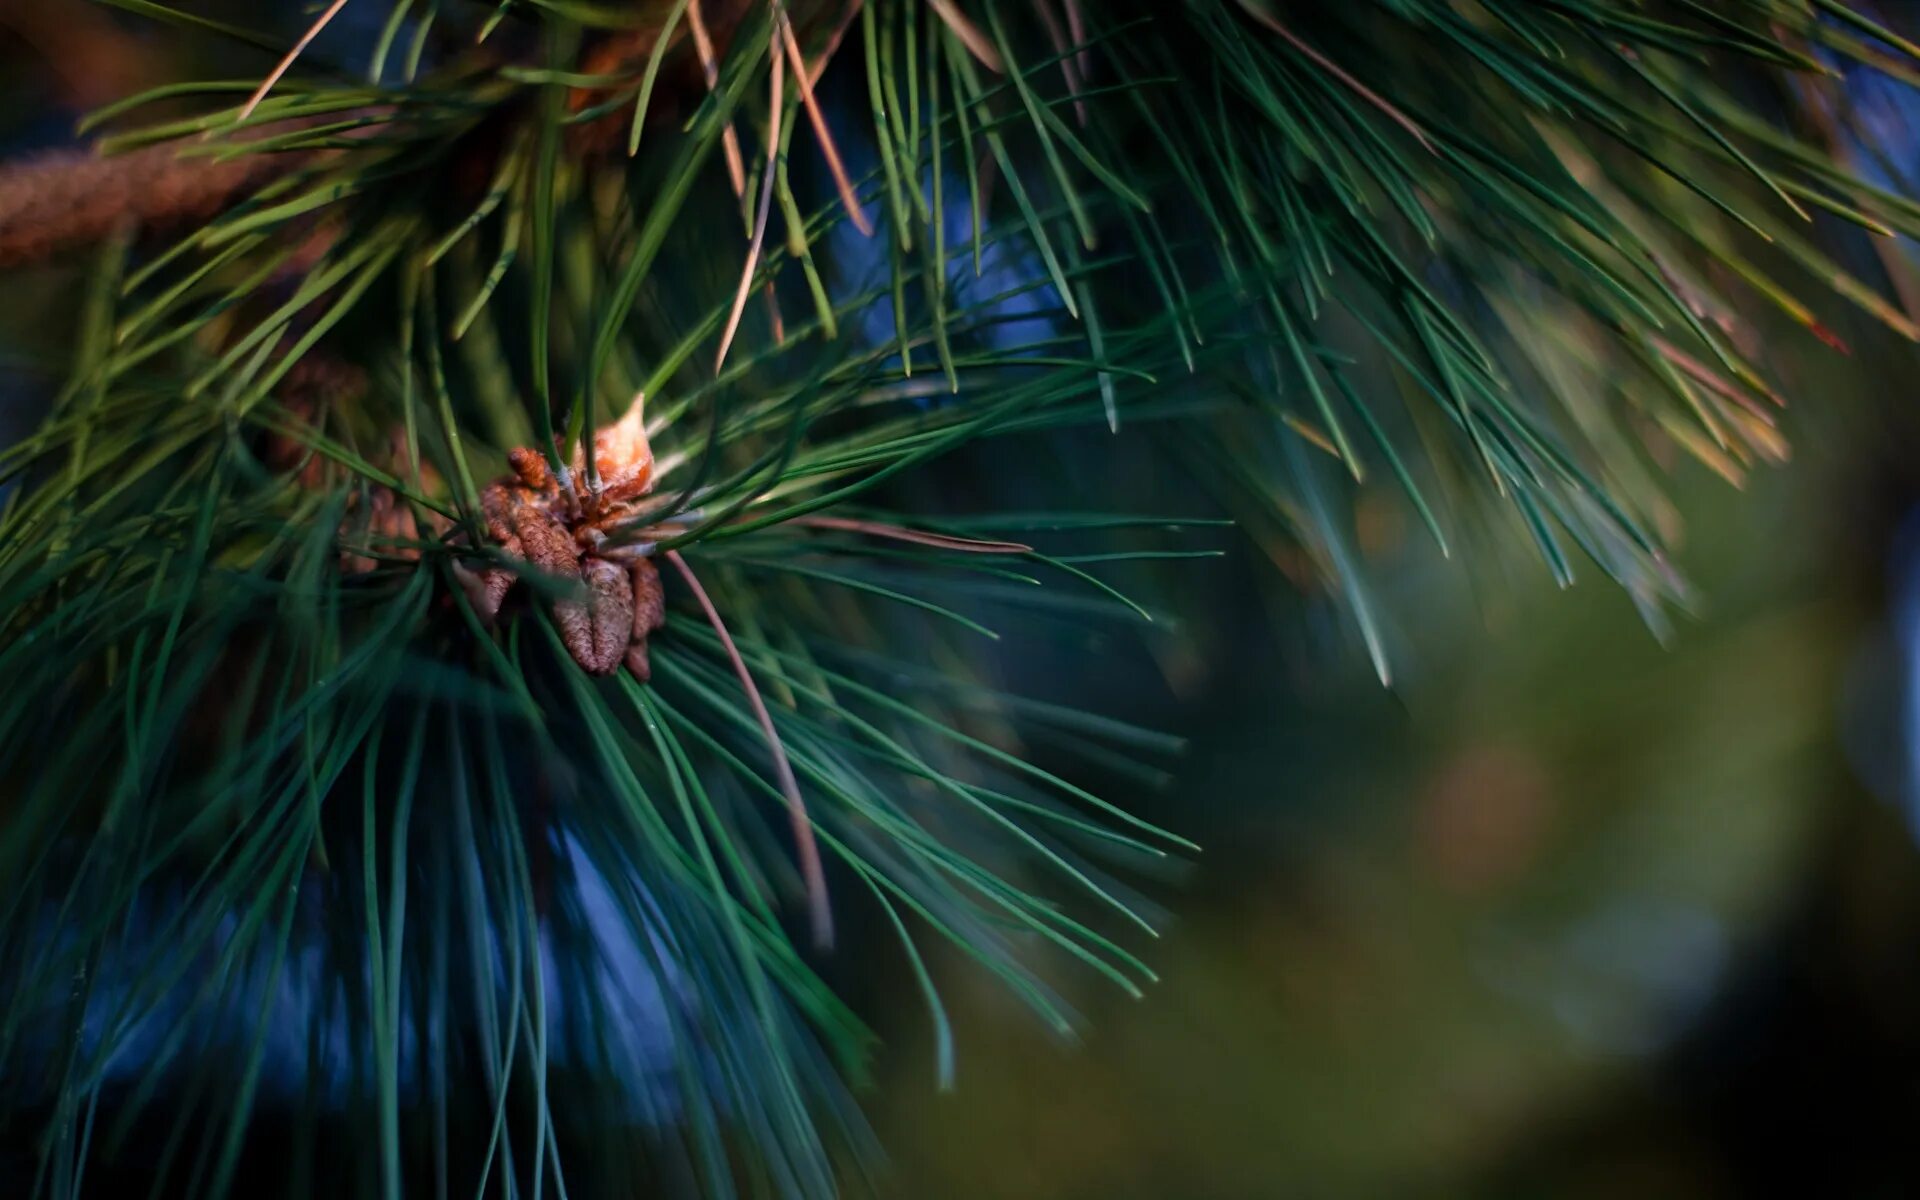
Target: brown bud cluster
column 612, row 598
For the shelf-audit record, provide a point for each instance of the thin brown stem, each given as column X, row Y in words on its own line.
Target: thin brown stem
column 1069, row 62
column 920, row 537
column 778, row 89
column 1340, row 73
column 803, row 75
column 1077, row 31
column 819, row 65
column 970, row 36
column 805, row 847
column 280, row 68
column 710, row 69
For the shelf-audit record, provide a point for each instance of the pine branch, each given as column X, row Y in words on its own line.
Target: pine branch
column 283, row 654
column 60, row 202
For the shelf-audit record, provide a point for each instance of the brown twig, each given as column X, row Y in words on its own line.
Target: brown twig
column 65, row 200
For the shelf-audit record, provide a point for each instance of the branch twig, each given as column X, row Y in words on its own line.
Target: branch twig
column 65, row 200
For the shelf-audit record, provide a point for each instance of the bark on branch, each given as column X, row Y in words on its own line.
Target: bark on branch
column 58, row 202
column 68, row 199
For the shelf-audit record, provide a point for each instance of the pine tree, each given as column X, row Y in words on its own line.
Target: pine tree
column 492, row 618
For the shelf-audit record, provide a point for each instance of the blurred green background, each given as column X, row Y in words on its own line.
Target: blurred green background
column 1567, row 911
column 1574, row 908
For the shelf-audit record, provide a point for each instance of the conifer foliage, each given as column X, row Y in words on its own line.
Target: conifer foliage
column 492, row 600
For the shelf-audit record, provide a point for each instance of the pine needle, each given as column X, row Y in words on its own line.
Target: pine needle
column 971, row 36
column 776, row 106
column 281, row 68
column 811, row 872
column 710, row 69
column 901, row 533
column 1071, row 64
column 1259, row 11
column 822, row 134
